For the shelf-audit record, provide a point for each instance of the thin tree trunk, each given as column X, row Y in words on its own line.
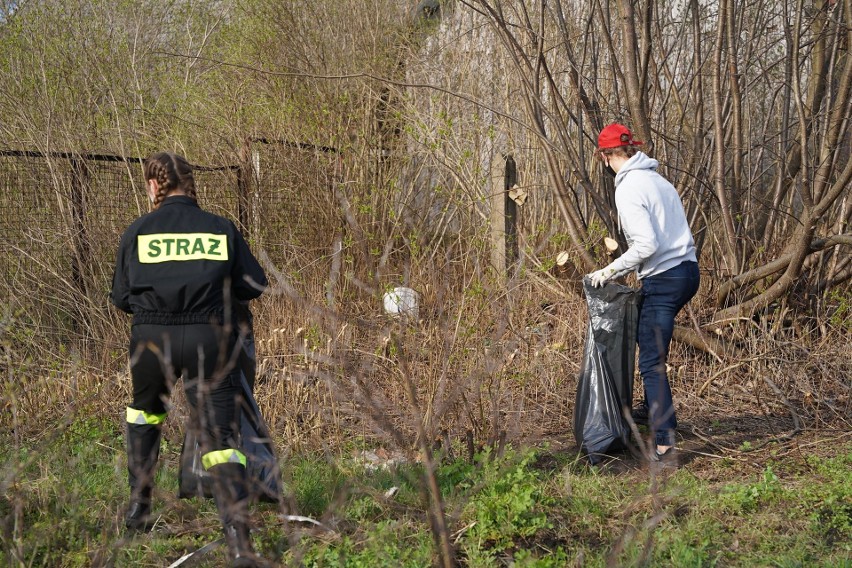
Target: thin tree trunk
column 736, row 119
column 725, row 206
column 637, row 99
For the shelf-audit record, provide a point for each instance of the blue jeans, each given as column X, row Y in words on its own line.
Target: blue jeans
column 663, row 296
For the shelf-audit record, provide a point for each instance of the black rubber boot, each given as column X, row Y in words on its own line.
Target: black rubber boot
column 229, row 491
column 143, row 449
column 239, row 546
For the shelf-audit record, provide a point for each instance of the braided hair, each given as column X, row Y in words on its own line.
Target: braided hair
column 172, row 173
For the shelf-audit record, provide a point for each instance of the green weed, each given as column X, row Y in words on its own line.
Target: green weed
column 511, row 504
column 747, row 497
column 385, row 544
column 529, row 508
column 314, row 483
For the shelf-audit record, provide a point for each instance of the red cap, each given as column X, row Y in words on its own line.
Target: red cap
column 615, row 135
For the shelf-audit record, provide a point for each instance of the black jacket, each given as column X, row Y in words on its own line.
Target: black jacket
column 177, row 264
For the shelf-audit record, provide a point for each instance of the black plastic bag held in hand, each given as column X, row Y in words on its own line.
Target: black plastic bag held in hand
column 262, row 471
column 605, row 388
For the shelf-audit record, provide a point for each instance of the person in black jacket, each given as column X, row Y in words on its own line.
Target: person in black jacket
column 181, row 272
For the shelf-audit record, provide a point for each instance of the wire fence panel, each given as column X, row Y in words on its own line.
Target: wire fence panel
column 62, row 215
column 296, row 215
column 33, row 240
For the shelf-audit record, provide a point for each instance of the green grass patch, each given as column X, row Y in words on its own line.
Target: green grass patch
column 528, row 507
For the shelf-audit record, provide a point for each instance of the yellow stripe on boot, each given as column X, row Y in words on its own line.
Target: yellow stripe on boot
column 135, row 416
column 230, row 455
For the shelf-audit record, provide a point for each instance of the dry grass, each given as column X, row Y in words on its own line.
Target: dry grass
column 482, row 364
column 487, row 364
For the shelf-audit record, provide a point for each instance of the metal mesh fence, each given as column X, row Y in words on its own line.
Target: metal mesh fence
column 295, row 217
column 62, row 215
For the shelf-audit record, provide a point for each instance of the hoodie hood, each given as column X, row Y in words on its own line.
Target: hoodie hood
column 639, row 161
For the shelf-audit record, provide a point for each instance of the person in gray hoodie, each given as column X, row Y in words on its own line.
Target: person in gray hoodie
column 661, row 251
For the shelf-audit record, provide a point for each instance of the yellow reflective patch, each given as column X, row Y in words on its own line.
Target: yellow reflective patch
column 210, row 459
column 135, row 416
column 167, row 247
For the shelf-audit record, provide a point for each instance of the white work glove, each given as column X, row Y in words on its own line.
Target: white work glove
column 600, row 277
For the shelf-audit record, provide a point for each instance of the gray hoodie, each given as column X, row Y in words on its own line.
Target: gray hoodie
column 652, row 219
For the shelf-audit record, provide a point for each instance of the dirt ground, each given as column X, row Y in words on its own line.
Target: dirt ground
column 747, row 442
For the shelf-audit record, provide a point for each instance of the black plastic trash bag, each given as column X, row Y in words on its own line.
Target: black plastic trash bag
column 261, row 466
column 262, row 472
column 605, row 389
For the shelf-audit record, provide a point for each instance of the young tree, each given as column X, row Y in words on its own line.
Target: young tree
column 746, row 105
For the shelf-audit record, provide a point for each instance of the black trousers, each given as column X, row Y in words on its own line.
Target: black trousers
column 201, row 355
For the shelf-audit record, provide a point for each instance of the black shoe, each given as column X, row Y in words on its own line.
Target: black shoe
column 240, row 548
column 137, row 515
column 669, row 457
column 658, row 456
column 232, row 501
column 640, row 415
column 244, row 563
